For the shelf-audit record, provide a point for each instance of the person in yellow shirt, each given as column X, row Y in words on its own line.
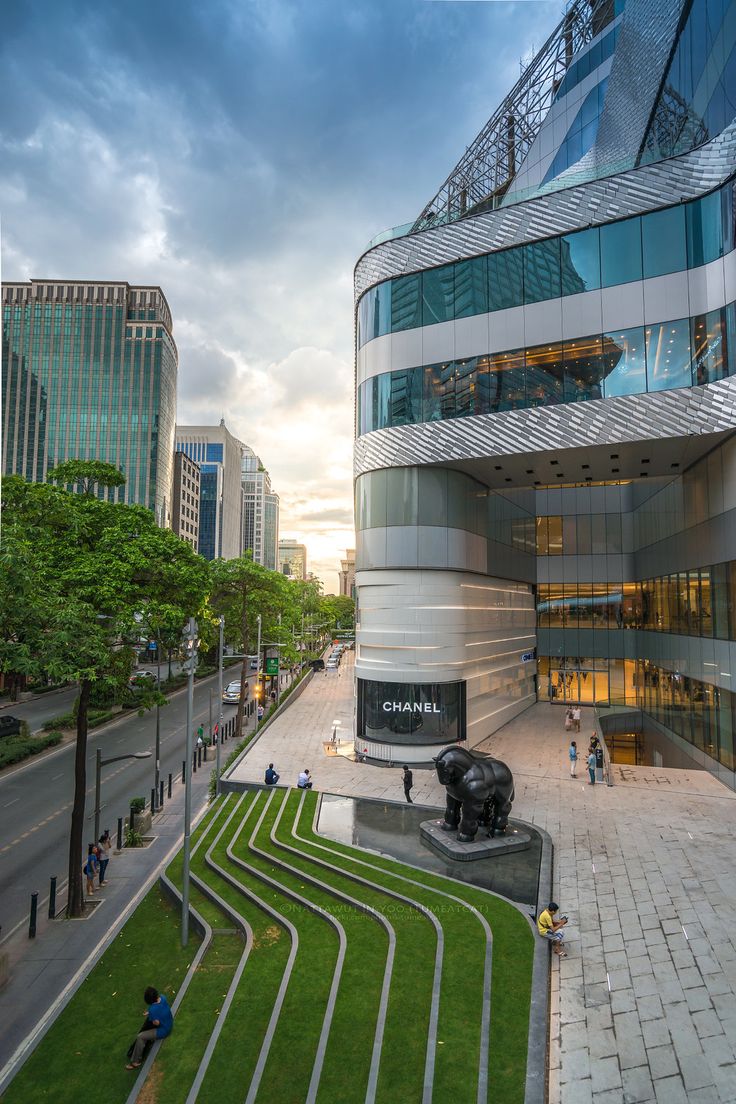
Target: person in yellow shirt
column 551, row 929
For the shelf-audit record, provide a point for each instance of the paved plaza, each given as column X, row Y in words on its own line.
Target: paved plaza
column 644, row 1007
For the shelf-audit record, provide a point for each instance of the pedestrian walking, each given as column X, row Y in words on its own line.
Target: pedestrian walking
column 591, row 768
column 305, row 780
column 271, row 777
column 568, row 720
column 408, row 780
column 161, row 1020
column 573, row 753
column 200, row 736
column 105, row 849
column 90, row 867
column 576, row 717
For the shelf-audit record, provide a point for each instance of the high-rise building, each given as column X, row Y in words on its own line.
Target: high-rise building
column 292, row 558
column 347, row 574
column 89, row 373
column 218, row 455
column 260, row 511
column 185, row 512
column 545, row 453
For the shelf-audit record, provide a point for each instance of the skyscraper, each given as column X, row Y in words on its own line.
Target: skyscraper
column 218, row 455
column 545, row 454
column 89, row 372
column 292, row 558
column 260, row 511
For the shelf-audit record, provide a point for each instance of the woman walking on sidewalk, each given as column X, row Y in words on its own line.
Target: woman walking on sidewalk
column 573, row 754
column 90, row 867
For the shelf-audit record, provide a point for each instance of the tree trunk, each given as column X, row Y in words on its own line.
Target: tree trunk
column 75, row 905
column 169, row 663
column 244, row 668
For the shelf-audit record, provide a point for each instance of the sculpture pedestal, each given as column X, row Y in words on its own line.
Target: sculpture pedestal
column 448, row 845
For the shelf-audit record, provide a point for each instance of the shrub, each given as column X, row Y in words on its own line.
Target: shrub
column 137, row 804
column 16, row 748
column 64, row 720
column 99, row 716
column 133, row 838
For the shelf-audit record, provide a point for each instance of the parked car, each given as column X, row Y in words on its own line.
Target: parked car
column 9, row 726
column 231, row 693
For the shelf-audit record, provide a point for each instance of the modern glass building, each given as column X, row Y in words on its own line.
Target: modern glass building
column 89, row 373
column 546, row 404
column 260, row 512
column 218, row 455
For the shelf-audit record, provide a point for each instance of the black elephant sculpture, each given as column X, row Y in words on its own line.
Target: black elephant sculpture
column 480, row 790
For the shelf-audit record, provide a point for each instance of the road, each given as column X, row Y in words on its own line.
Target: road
column 35, row 802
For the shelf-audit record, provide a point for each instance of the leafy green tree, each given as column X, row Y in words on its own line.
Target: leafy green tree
column 241, row 590
column 87, row 476
column 102, row 567
column 339, row 611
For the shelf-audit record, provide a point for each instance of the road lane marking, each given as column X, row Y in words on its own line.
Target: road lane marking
column 59, row 775
column 9, row 803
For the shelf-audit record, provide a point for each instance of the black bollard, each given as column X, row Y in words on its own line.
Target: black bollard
column 120, row 834
column 34, row 910
column 194, row 762
column 52, row 898
column 153, row 800
column 168, row 792
column 131, row 821
column 205, row 753
column 161, row 795
column 199, row 757
column 183, row 770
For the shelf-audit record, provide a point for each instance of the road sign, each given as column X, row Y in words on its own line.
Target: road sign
column 272, row 665
column 152, row 645
column 527, row 657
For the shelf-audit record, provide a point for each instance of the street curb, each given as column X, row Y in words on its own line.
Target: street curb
column 24, row 1051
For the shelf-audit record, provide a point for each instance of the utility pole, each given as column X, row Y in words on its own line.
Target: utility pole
column 219, row 725
column 191, row 645
column 157, row 768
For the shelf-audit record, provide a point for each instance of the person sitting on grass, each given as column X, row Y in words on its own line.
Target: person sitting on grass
column 160, row 1017
column 551, row 929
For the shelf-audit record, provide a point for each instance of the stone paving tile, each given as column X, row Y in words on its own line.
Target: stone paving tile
column 661, row 845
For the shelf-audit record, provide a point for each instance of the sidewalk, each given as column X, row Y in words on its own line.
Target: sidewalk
column 644, row 1007
column 44, row 971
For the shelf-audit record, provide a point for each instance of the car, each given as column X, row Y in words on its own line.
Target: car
column 332, row 665
column 142, row 680
column 254, row 665
column 317, row 664
column 9, row 726
column 231, row 693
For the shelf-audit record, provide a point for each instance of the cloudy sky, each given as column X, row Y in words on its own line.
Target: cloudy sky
column 241, row 153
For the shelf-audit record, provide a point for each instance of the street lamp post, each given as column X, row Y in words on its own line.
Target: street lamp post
column 258, row 668
column 99, row 764
column 191, row 645
column 157, row 772
column 220, row 723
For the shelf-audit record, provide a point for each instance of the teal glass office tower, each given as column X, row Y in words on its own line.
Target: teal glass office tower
column 545, row 451
column 89, row 372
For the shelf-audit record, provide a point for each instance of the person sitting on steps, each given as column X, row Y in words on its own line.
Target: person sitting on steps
column 551, row 929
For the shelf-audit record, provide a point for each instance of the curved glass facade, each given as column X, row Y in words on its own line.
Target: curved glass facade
column 669, row 240
column 684, row 352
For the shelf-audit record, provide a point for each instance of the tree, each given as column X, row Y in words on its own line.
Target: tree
column 242, row 589
column 101, row 568
column 88, row 476
column 339, row 611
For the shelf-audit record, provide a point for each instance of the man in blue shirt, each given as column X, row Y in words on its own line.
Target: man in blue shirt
column 271, row 776
column 158, row 1024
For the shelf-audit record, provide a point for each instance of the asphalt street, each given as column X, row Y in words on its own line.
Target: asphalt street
column 36, row 801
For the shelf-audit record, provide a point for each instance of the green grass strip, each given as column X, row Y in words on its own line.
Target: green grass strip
column 513, row 952
column 405, row 1039
column 291, row 1057
column 238, row 1047
column 361, row 982
column 64, row 1068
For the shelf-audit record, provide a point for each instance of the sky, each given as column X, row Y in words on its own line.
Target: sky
column 241, row 154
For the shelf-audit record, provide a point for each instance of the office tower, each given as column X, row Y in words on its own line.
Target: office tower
column 292, row 558
column 185, row 519
column 218, row 454
column 260, row 511
column 347, row 574
column 89, row 373
column 545, row 452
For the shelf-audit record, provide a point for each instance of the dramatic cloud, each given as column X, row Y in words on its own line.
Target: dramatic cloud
column 241, row 154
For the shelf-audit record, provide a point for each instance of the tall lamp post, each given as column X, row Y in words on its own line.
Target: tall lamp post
column 220, row 723
column 99, row 764
column 191, row 642
column 157, row 772
column 258, row 670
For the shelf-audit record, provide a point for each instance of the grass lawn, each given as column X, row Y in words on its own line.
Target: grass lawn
column 277, row 860
column 68, row 1065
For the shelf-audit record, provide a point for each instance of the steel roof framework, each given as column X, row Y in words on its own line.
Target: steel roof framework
column 488, row 166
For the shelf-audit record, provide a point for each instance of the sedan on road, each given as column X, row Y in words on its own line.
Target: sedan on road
column 231, row 693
